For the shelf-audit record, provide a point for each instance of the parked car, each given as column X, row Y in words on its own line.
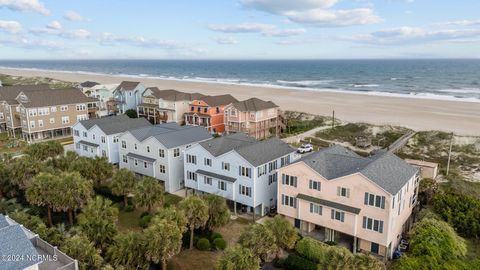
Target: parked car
column 305, row 148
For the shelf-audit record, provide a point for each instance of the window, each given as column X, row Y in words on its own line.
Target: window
column 272, row 166
column 93, row 136
column 207, row 180
column 244, row 171
column 191, row 176
column 52, row 120
column 32, row 124
column 85, row 134
column 115, row 139
column 285, row 161
column 262, row 170
column 217, row 109
column 103, row 139
column 192, row 109
column 136, row 162
column 148, row 149
column 289, row 180
column 77, row 145
column 161, row 153
column 40, row 123
column 43, row 111
column 1, row 115
column 135, row 146
column 338, row 215
column 145, row 165
column 104, row 153
column 53, row 109
column 314, row 185
column 65, row 120
column 124, row 144
column 81, row 107
column 222, row 185
column 373, row 224
column 244, row 190
column 289, row 201
column 272, row 178
column 225, row 166
column 205, row 110
column 32, row 112
column 125, row 159
column 176, row 152
column 63, row 108
column 162, row 169
column 85, row 148
column 207, row 162
column 76, row 133
column 374, row 200
column 393, row 202
column 315, row 208
column 199, row 109
column 343, row 192
column 191, row 159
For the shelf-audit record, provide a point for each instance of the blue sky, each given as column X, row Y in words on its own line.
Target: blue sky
column 239, row 29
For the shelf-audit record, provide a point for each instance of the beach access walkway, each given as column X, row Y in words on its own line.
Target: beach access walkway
column 309, row 133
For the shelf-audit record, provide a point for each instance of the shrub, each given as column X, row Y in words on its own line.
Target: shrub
column 311, row 249
column 129, row 208
column 216, row 235
column 331, row 243
column 295, row 262
column 117, row 205
column 203, row 244
column 220, row 243
column 144, row 221
column 280, row 263
column 144, row 214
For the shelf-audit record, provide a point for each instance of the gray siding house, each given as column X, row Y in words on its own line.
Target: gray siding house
column 128, row 95
column 238, row 168
column 157, row 151
column 99, row 136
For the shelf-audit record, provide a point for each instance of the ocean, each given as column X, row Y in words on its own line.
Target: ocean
column 434, row 79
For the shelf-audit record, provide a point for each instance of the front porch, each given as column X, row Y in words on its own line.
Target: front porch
column 47, row 134
column 198, row 119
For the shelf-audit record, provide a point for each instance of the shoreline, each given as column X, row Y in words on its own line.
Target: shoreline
column 460, row 117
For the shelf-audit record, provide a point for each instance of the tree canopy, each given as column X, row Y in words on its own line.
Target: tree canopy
column 238, row 258
column 196, row 212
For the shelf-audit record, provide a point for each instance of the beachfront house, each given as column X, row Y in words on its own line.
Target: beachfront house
column 208, row 112
column 163, row 106
column 21, row 249
column 365, row 203
column 157, row 151
column 45, row 114
column 128, row 95
column 100, row 136
column 104, row 94
column 255, row 117
column 239, row 168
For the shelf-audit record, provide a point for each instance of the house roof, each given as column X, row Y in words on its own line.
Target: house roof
column 9, row 93
column 253, row 105
column 385, row 169
column 219, row 100
column 144, row 158
column 15, row 242
column 89, row 84
column 88, row 143
column 328, row 203
column 127, row 85
column 255, row 152
column 3, row 221
column 217, row 176
column 174, row 95
column 50, row 97
column 171, row 134
column 421, row 163
column 115, row 124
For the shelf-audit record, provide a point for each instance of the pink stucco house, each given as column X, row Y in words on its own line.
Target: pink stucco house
column 337, row 195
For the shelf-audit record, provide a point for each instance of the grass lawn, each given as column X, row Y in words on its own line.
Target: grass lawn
column 10, row 146
column 128, row 221
column 232, row 231
column 171, row 199
column 194, row 259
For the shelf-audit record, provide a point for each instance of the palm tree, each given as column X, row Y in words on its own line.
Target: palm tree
column 42, row 191
column 9, row 205
column 98, row 221
column 123, row 183
column 147, row 193
column 64, row 162
column 196, row 212
column 23, row 170
column 5, row 179
column 102, row 171
column 76, row 192
column 218, row 212
column 80, row 248
column 259, row 239
column 174, row 215
column 128, row 251
column 164, row 240
column 285, row 234
column 238, row 258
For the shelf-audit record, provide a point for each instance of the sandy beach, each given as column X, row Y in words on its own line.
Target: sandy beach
column 463, row 118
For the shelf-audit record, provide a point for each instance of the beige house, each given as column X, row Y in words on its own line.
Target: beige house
column 427, row 169
column 255, row 117
column 46, row 114
column 9, row 110
column 162, row 106
column 365, row 203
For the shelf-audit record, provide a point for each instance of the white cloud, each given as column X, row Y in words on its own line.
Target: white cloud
column 74, row 16
column 111, row 39
column 225, row 40
column 315, row 12
column 56, row 25
column 285, row 32
column 76, row 34
column 22, row 42
column 10, row 26
column 460, row 23
column 242, row 27
column 25, row 5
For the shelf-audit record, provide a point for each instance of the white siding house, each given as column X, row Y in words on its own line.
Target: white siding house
column 99, row 137
column 128, row 95
column 157, row 151
column 238, row 168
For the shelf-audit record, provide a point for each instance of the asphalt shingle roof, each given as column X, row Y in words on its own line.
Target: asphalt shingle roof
column 330, row 204
column 127, row 85
column 174, row 95
column 115, row 124
column 66, row 96
column 253, row 105
column 3, row 222
column 171, row 134
column 219, row 100
column 385, row 169
column 9, row 93
column 217, row 176
column 144, row 158
column 15, row 243
column 255, row 152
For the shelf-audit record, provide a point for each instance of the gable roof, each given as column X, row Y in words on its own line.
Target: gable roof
column 9, row 93
column 385, row 169
column 219, row 100
column 51, row 97
column 173, row 95
column 253, row 105
column 127, row 85
column 171, row 134
column 15, row 242
column 115, row 124
column 255, row 152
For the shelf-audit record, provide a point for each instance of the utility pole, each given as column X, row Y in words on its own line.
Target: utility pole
column 449, row 154
column 333, row 119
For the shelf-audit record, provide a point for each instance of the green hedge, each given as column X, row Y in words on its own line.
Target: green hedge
column 220, row 243
column 295, row 262
column 203, row 244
